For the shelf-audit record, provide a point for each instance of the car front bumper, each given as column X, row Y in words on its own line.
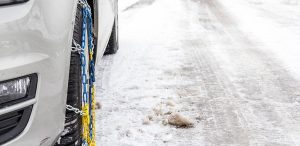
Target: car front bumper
column 35, row 38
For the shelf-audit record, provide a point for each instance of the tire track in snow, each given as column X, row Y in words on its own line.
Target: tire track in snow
column 263, row 94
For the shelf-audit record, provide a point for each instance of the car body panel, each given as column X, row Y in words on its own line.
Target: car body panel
column 35, row 37
column 106, row 16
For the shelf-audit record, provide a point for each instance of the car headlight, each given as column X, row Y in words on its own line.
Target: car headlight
column 9, row 2
column 17, row 89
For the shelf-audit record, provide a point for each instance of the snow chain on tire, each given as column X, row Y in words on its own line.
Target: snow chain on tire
column 88, row 87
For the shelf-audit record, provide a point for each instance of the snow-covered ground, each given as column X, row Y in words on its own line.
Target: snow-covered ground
column 231, row 67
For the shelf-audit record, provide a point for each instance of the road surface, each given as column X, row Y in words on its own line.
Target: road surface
column 231, row 66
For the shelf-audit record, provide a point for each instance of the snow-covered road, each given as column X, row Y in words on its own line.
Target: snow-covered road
column 231, row 66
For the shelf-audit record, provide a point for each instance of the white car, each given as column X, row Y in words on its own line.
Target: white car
column 42, row 77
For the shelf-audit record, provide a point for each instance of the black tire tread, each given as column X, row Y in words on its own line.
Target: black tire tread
column 73, row 135
column 113, row 43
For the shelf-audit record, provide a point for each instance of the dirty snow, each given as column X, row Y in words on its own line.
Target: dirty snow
column 230, row 68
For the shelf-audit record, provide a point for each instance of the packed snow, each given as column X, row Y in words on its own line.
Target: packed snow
column 202, row 72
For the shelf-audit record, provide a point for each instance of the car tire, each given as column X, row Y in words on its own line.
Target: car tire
column 71, row 135
column 113, row 43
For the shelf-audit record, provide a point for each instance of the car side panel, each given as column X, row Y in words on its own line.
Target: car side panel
column 35, row 37
column 106, row 15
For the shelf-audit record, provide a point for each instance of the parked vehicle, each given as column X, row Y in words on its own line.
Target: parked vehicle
column 41, row 73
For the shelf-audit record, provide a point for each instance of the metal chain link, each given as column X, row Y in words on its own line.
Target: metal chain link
column 84, row 3
column 74, row 109
column 77, row 47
